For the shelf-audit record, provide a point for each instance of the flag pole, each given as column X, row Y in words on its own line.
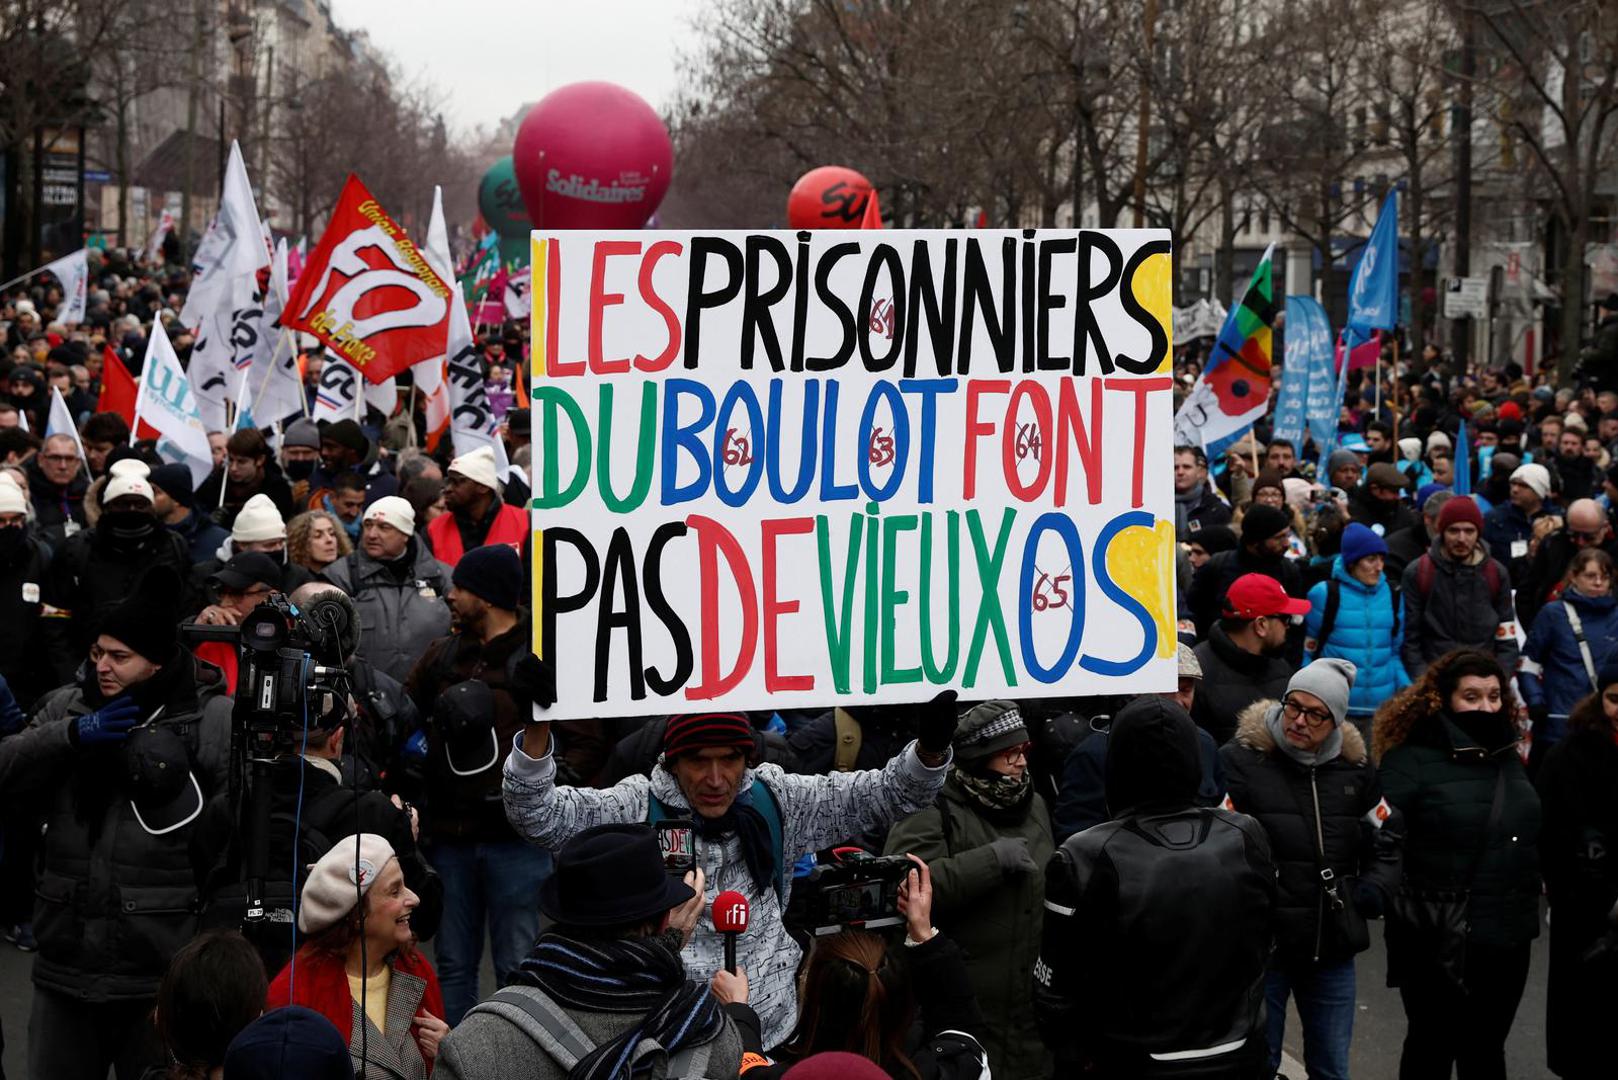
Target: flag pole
column 1396, row 387
column 25, row 277
column 1378, row 404
column 269, row 369
column 140, row 384
column 410, row 414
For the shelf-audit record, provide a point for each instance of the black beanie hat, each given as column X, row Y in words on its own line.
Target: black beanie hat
column 347, row 433
column 173, row 481
column 148, row 619
column 1262, row 522
column 493, row 573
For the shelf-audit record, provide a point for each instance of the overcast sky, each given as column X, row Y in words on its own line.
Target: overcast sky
column 489, row 56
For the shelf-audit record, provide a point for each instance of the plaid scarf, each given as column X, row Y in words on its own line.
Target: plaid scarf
column 643, row 975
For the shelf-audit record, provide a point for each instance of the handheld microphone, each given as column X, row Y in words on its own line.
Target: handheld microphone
column 730, row 912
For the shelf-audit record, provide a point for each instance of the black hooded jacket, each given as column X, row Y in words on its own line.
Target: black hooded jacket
column 113, row 901
column 1111, row 890
column 93, row 574
column 1232, row 679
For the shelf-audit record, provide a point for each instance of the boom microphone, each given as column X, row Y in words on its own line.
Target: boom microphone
column 730, row 912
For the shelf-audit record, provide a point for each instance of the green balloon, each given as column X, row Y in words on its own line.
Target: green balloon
column 514, row 251
column 500, row 200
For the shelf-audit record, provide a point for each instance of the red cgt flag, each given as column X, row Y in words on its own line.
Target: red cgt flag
column 118, row 392
column 368, row 293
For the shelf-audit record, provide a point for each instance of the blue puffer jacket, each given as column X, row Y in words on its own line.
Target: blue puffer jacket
column 1363, row 634
column 1552, row 670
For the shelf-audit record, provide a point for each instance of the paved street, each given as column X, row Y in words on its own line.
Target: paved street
column 1379, row 1028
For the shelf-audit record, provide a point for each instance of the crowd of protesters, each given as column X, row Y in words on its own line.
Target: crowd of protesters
column 1397, row 701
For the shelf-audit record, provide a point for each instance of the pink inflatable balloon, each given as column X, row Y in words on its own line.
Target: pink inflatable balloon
column 592, row 155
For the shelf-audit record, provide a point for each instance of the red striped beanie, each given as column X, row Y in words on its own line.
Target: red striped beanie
column 704, row 731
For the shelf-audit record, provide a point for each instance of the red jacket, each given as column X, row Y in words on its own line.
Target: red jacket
column 510, row 526
column 323, row 987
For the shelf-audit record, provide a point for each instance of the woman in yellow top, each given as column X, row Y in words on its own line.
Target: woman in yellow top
column 356, row 909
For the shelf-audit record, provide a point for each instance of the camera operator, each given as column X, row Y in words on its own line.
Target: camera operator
column 862, row 992
column 311, row 808
column 384, row 714
column 751, row 822
column 120, row 762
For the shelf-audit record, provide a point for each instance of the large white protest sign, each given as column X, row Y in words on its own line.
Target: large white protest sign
column 791, row 469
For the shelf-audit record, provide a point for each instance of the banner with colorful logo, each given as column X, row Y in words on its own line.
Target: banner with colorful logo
column 368, row 293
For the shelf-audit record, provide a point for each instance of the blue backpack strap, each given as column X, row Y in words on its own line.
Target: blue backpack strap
column 769, row 809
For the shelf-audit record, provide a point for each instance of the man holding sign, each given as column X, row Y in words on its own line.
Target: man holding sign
column 801, row 470
column 707, row 774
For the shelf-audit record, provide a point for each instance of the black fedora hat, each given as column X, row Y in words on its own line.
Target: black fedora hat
column 608, row 875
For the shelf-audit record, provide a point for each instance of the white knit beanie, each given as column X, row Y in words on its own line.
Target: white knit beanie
column 11, row 496
column 337, row 883
column 258, row 520
column 392, row 510
column 128, row 477
column 478, row 467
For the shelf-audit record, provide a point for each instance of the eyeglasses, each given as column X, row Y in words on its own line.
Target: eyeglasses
column 1313, row 717
column 1582, row 537
column 1012, row 753
column 59, row 459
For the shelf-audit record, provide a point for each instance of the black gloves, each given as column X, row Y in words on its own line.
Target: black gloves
column 936, row 723
column 1368, row 900
column 1540, row 714
column 533, row 681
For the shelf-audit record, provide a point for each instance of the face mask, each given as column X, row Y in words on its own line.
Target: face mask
column 128, row 526
column 11, row 540
column 299, row 470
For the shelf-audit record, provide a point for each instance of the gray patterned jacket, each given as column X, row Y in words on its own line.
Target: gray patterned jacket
column 816, row 812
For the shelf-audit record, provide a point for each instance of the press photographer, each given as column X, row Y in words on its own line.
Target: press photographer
column 119, row 763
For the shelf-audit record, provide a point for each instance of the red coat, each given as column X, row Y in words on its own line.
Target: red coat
column 510, row 527
column 323, row 987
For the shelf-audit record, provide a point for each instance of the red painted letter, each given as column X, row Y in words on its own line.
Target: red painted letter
column 648, row 266
column 1140, row 388
column 713, row 539
column 976, row 427
column 600, row 300
column 774, row 680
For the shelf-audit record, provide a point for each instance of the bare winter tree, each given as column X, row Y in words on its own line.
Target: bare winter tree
column 1319, row 137
column 1551, row 83
column 1409, row 112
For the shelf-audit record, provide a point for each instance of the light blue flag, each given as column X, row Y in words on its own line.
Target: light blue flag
column 1463, row 463
column 1309, row 345
column 1289, row 404
column 1373, row 292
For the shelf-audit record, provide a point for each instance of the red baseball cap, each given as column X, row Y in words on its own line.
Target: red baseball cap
column 1253, row 595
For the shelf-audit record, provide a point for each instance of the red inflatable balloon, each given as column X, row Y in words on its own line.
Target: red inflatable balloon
column 830, row 197
column 592, row 155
